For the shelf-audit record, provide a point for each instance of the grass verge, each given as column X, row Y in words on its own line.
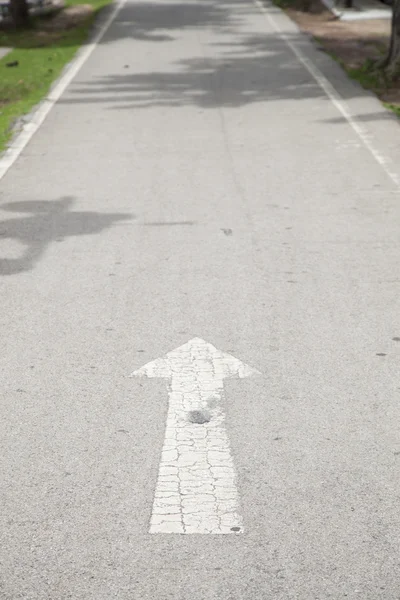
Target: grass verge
column 40, row 53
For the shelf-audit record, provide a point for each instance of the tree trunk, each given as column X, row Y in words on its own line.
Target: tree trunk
column 392, row 61
column 306, row 5
column 19, row 13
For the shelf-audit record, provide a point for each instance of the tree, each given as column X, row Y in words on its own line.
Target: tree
column 19, row 13
column 392, row 60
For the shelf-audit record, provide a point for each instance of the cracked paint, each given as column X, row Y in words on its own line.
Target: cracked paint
column 196, row 490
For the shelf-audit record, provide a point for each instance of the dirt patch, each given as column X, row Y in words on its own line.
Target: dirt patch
column 68, row 18
column 351, row 42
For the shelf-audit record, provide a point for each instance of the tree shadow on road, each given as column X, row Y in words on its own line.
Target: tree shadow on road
column 368, row 118
column 156, row 21
column 248, row 70
column 233, row 59
column 47, row 221
column 140, row 21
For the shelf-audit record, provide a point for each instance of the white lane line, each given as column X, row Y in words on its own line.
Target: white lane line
column 196, row 489
column 30, row 128
column 333, row 96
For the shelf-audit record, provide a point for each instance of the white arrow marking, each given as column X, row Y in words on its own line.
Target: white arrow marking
column 196, row 488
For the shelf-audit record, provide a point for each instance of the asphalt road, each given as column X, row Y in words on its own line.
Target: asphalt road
column 195, row 180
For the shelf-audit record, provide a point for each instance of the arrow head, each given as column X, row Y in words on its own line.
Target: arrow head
column 193, row 357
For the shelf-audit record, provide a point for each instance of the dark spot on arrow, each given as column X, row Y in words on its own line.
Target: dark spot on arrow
column 380, row 354
column 212, row 403
column 235, row 528
column 199, row 416
column 396, row 339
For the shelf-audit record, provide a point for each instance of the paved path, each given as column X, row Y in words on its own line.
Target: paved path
column 4, row 52
column 196, row 199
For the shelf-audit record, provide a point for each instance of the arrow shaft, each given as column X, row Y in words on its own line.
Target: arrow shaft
column 196, row 488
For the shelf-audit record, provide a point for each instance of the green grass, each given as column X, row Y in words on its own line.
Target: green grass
column 283, row 4
column 393, row 107
column 41, row 57
column 368, row 77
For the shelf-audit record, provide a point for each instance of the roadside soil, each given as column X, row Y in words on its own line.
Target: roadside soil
column 352, row 43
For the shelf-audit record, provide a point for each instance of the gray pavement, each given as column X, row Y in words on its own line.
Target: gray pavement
column 194, row 180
